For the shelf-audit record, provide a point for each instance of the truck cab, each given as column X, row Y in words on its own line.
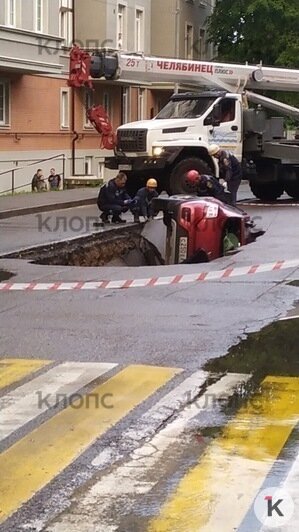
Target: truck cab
column 177, row 139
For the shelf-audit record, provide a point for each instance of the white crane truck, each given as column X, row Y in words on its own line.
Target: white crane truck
column 177, row 139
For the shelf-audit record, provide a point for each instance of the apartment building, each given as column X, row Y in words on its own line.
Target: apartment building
column 186, row 35
column 40, row 116
column 125, row 26
column 173, row 28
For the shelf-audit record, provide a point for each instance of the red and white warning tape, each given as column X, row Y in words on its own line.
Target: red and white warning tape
column 260, row 204
column 154, row 281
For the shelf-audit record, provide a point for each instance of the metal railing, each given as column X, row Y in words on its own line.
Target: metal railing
column 12, row 171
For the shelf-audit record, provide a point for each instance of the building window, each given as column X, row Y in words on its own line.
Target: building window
column 141, row 106
column 11, row 15
column 125, row 105
column 139, row 31
column 88, row 103
column 189, row 41
column 203, row 45
column 66, row 21
column 107, row 105
column 88, row 163
column 121, row 27
column 65, row 108
column 39, row 14
column 101, row 170
column 4, row 103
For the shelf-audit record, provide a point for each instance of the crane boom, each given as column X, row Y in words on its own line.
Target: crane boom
column 283, row 108
column 113, row 65
column 231, row 77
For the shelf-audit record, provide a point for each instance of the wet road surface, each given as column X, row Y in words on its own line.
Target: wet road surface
column 141, row 410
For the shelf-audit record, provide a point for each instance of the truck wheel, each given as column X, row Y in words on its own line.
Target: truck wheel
column 266, row 192
column 178, row 183
column 292, row 189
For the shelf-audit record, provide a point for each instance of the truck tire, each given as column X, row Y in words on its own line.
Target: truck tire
column 266, row 192
column 292, row 189
column 177, row 181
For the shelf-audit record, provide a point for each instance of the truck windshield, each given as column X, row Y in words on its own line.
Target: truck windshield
column 189, row 108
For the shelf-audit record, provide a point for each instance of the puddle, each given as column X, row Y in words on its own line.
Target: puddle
column 4, row 275
column 272, row 351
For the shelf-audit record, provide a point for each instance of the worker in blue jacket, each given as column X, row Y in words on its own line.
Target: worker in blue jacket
column 113, row 199
column 230, row 170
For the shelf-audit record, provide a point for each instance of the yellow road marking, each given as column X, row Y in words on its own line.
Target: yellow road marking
column 36, row 459
column 15, row 369
column 217, row 493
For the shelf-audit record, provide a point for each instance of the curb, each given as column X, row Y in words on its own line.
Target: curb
column 47, row 208
column 153, row 281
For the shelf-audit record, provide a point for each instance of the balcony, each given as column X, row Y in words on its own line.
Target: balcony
column 29, row 52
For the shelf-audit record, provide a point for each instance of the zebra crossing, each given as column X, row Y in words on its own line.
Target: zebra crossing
column 54, row 413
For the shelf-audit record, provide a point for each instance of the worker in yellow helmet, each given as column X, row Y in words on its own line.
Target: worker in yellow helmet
column 143, row 200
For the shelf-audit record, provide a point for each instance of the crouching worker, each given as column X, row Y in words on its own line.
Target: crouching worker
column 143, row 200
column 208, row 185
column 113, row 199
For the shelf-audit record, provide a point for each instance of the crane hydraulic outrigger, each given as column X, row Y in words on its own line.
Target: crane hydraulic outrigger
column 177, row 139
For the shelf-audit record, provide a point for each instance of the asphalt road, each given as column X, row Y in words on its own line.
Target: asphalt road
column 174, row 328
column 162, row 325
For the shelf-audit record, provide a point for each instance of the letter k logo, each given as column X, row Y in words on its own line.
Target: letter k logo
column 273, row 507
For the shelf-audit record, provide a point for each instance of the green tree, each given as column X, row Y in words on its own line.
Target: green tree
column 256, row 30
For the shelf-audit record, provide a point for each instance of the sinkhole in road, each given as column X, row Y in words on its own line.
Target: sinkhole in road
column 5, row 275
column 116, row 247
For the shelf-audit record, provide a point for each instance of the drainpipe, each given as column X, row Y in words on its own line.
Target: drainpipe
column 73, row 123
column 177, row 36
column 177, row 28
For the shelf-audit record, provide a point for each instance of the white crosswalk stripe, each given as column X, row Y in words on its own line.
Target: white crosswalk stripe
column 131, row 478
column 146, row 426
column 35, row 397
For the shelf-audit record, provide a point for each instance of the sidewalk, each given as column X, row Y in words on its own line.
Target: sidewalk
column 31, row 203
column 20, row 204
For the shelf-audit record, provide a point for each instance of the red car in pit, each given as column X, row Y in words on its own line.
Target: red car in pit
column 201, row 229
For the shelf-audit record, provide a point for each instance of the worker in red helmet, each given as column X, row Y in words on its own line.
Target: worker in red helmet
column 207, row 185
